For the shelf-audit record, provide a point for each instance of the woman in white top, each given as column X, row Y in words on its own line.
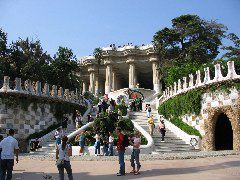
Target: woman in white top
column 63, row 152
column 135, row 153
column 110, row 144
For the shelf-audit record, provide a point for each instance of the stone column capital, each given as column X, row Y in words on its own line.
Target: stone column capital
column 153, row 59
column 130, row 61
column 108, row 62
column 91, row 69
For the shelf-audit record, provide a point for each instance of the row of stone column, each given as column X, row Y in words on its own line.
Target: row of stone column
column 111, row 80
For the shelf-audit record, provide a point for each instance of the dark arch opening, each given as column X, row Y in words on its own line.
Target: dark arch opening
column 223, row 133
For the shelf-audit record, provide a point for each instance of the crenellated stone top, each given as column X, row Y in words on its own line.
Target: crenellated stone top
column 35, row 89
column 121, row 51
column 189, row 83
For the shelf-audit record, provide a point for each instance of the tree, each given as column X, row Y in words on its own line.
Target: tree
column 190, row 40
column 28, row 60
column 64, row 66
column 232, row 51
column 98, row 56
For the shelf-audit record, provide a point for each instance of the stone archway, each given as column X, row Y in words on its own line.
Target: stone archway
column 208, row 142
column 223, row 133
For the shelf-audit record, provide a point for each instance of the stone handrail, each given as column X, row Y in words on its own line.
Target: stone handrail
column 78, row 131
column 189, row 84
column 35, row 89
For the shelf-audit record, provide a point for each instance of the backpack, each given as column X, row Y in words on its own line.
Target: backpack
column 125, row 141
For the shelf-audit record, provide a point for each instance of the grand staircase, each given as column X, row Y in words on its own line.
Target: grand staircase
column 172, row 143
column 49, row 146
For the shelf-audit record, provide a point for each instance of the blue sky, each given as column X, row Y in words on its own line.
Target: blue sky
column 85, row 25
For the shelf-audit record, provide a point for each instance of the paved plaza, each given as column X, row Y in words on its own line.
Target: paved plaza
column 225, row 167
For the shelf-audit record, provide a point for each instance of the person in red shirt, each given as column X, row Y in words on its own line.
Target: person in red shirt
column 121, row 151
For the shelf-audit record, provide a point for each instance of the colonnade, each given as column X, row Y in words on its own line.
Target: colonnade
column 111, row 78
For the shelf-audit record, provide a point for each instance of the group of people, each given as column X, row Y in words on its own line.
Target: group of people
column 161, row 126
column 64, row 151
column 136, row 104
column 104, row 105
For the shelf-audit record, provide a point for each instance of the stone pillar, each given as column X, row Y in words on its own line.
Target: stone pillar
column 5, row 87
column 97, row 85
column 92, row 80
column 156, row 76
column 108, row 82
column 114, row 81
column 18, row 84
column 84, row 87
column 132, row 74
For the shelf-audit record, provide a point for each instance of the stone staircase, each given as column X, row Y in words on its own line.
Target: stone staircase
column 172, row 143
column 49, row 146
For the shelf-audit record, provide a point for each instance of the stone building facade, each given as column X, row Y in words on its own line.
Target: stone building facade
column 122, row 67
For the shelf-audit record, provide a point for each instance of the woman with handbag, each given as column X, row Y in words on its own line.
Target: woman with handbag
column 63, row 152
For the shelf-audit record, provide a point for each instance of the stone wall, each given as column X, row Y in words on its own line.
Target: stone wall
column 213, row 104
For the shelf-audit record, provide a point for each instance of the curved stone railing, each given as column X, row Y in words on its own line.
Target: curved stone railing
column 78, row 131
column 35, row 89
column 190, row 83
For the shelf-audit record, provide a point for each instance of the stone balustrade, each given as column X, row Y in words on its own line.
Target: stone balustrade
column 35, row 89
column 191, row 83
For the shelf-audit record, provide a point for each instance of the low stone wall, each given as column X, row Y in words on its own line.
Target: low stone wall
column 213, row 104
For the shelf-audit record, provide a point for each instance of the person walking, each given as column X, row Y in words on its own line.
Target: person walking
column 148, row 109
column 97, row 144
column 110, row 144
column 150, row 122
column 82, row 142
column 162, row 128
column 78, row 119
column 57, row 136
column 105, row 145
column 9, row 146
column 135, row 153
column 100, row 106
column 63, row 152
column 121, row 151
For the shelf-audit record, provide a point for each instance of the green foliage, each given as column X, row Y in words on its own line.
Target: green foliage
column 26, row 59
column 178, row 106
column 108, row 122
column 44, row 132
column 58, row 108
column 233, row 51
column 185, row 127
column 122, row 108
column 126, row 125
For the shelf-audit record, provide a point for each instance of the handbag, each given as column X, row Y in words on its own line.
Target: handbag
column 59, row 162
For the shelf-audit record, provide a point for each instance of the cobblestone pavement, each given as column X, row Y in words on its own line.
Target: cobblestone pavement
column 221, row 167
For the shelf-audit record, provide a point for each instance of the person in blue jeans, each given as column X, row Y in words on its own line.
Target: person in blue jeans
column 1, row 138
column 110, row 144
column 121, row 151
column 97, row 144
column 135, row 142
column 82, row 142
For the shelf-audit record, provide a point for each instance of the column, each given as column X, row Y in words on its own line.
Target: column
column 84, row 87
column 114, row 81
column 97, row 85
column 108, row 82
column 132, row 74
column 156, row 76
column 92, row 80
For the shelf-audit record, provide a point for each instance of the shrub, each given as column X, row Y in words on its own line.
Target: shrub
column 185, row 127
column 122, row 108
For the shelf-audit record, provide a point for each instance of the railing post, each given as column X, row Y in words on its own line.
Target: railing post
column 207, row 75
column 190, row 81
column 198, row 80
column 54, row 91
column 66, row 94
column 175, row 88
column 231, row 70
column 179, row 86
column 184, row 83
column 38, row 88
column 5, row 87
column 46, row 90
column 60, row 93
column 18, row 86
column 218, row 73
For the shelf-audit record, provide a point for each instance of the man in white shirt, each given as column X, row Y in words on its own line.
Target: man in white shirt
column 9, row 146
